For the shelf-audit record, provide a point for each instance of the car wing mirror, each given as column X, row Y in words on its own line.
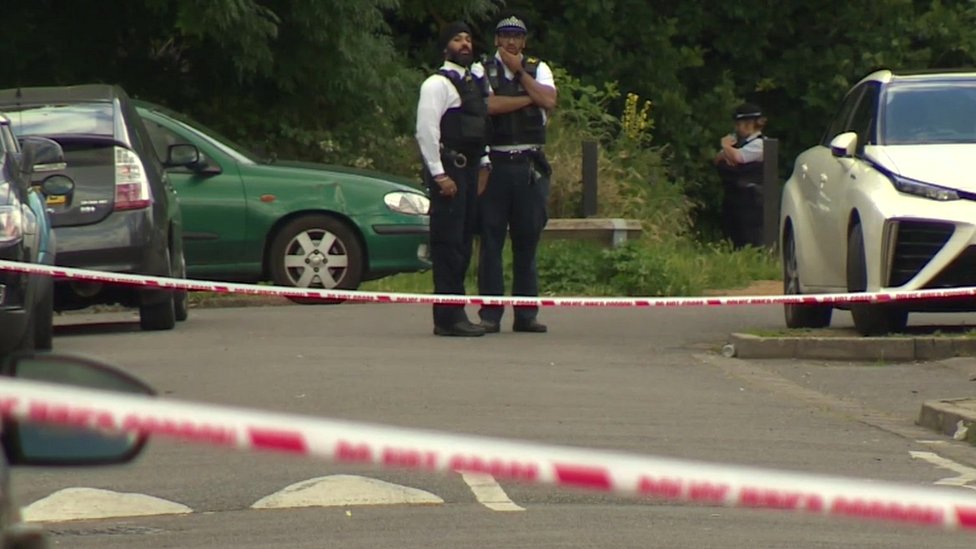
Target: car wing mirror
column 182, row 155
column 844, row 145
column 40, row 154
column 57, row 185
column 52, row 445
column 185, row 155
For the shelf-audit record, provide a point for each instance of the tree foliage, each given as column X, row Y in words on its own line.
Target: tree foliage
column 337, row 80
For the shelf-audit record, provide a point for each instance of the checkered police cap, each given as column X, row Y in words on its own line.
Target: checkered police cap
column 511, row 24
column 747, row 111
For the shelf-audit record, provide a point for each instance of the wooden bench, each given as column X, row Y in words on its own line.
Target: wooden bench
column 610, row 232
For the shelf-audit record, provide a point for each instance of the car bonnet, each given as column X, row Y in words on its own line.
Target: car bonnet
column 946, row 165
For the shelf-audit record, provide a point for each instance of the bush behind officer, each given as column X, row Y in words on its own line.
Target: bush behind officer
column 452, row 118
column 740, row 167
column 514, row 200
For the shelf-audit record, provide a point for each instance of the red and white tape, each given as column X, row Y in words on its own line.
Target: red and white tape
column 394, row 297
column 437, row 452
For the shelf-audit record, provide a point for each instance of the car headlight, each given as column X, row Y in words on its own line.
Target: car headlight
column 11, row 224
column 925, row 190
column 407, row 203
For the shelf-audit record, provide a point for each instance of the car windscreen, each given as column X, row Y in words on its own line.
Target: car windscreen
column 930, row 113
column 69, row 119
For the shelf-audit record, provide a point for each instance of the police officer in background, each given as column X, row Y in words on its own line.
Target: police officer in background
column 740, row 167
column 452, row 118
column 514, row 201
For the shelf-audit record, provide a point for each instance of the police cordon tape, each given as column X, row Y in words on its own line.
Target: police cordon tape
column 395, row 297
column 350, row 442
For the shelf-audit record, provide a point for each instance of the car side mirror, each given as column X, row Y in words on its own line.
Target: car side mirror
column 44, row 444
column 40, row 154
column 844, row 145
column 182, row 155
column 57, row 185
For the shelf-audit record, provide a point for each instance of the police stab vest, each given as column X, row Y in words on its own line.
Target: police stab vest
column 464, row 129
column 521, row 127
column 743, row 176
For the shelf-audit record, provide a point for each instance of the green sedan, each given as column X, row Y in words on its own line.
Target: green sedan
column 298, row 224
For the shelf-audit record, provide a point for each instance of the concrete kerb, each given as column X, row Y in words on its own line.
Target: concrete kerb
column 954, row 417
column 871, row 349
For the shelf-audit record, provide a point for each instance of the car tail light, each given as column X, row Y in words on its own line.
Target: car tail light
column 131, row 184
column 11, row 225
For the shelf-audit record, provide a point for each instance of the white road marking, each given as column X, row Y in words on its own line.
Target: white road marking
column 489, row 493
column 92, row 503
column 962, row 429
column 343, row 491
column 966, row 474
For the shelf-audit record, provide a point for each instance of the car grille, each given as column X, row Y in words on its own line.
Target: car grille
column 916, row 244
column 961, row 272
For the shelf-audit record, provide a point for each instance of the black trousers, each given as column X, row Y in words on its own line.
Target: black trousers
column 514, row 203
column 452, row 229
column 742, row 216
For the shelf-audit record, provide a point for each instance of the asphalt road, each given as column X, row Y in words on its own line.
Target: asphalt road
column 647, row 381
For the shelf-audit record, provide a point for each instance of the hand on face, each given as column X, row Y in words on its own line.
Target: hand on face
column 510, row 46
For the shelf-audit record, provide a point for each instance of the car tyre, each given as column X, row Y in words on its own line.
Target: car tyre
column 44, row 318
column 316, row 242
column 799, row 316
column 160, row 315
column 869, row 319
column 181, row 298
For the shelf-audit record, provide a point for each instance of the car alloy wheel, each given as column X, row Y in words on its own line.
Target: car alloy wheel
column 317, row 251
column 799, row 316
column 869, row 319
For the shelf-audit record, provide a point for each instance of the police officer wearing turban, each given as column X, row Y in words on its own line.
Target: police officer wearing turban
column 740, row 167
column 452, row 118
column 514, row 200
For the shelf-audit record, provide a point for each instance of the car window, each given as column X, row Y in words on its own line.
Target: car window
column 864, row 120
column 930, row 112
column 162, row 137
column 75, row 119
column 238, row 152
column 840, row 122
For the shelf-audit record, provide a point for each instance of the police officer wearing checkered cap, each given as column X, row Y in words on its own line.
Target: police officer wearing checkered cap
column 514, row 200
column 452, row 126
column 740, row 167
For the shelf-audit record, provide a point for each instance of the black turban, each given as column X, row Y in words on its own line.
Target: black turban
column 452, row 30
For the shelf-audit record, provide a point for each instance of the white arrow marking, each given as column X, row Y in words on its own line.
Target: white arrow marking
column 966, row 474
column 489, row 493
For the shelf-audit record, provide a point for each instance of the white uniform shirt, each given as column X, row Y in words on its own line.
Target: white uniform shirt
column 753, row 150
column 437, row 95
column 544, row 76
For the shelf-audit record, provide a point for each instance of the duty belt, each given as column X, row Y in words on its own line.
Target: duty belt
column 457, row 158
column 513, row 155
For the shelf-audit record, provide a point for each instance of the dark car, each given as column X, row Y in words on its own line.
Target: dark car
column 122, row 214
column 39, row 445
column 26, row 236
